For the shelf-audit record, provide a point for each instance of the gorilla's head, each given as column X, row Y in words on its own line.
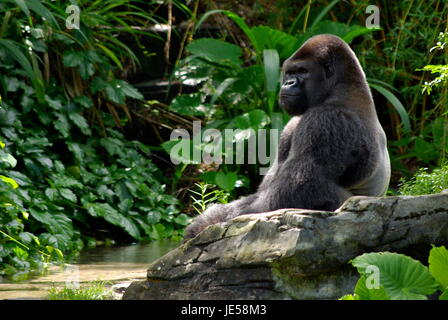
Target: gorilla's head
column 312, row 72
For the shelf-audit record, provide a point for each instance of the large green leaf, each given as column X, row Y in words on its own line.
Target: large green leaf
column 357, row 31
column 365, row 293
column 268, row 38
column 402, row 277
column 216, row 50
column 271, row 62
column 438, row 265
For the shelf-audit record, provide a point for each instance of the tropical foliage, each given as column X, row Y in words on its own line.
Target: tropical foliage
column 393, row 276
column 67, row 171
column 72, row 175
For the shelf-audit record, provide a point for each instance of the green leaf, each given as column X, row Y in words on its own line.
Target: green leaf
column 7, row 158
column 51, row 193
column 111, row 55
column 221, row 88
column 112, row 145
column 73, row 58
column 125, row 205
column 67, row 194
column 365, row 293
column 84, row 101
column 396, row 104
column 153, row 217
column 115, row 93
column 350, row 297
column 45, row 161
column 256, row 119
column 182, row 219
column 402, row 277
column 62, row 125
column 98, row 84
column 26, row 237
column 7, row 117
column 80, row 122
column 271, row 62
column 10, row 181
column 33, row 73
column 358, row 31
column 268, row 38
column 438, row 265
column 129, row 90
column 323, row 12
column 226, row 181
column 444, row 295
column 22, row 5
column 58, row 223
column 76, row 150
column 190, row 105
column 216, row 50
column 114, row 217
column 240, row 22
column 41, row 11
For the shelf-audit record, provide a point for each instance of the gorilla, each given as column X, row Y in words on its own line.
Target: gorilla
column 332, row 148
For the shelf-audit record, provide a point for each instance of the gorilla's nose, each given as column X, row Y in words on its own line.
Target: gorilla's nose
column 291, row 82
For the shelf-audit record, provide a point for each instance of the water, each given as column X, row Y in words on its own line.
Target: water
column 115, row 264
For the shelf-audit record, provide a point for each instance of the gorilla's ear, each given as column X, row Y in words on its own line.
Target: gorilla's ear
column 327, row 61
column 329, row 69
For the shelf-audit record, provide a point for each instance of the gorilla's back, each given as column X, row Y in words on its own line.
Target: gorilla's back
column 377, row 182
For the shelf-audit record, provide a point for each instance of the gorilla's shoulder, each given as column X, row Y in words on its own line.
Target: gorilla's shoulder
column 330, row 113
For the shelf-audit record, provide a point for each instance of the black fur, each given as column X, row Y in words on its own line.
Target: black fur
column 335, row 145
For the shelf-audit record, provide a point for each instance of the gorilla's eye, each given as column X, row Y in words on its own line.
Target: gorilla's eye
column 297, row 70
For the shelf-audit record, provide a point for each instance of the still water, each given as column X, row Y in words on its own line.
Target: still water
column 115, row 264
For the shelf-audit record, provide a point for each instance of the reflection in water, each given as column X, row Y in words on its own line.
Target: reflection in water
column 115, row 264
column 134, row 254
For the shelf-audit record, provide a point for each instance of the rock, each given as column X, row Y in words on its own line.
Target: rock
column 293, row 253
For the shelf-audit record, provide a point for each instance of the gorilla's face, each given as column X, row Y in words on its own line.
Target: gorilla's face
column 304, row 85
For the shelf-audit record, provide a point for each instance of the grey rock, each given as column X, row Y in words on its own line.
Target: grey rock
column 293, row 253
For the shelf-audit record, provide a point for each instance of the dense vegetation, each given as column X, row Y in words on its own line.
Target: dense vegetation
column 84, row 153
column 69, row 176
